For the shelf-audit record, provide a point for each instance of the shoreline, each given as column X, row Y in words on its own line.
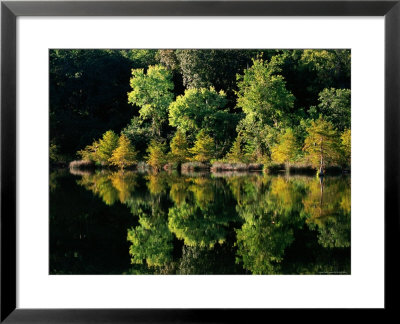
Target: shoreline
column 212, row 168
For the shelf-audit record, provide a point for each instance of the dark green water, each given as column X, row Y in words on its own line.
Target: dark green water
column 132, row 223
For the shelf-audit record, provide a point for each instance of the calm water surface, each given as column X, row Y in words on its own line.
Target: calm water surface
column 132, row 223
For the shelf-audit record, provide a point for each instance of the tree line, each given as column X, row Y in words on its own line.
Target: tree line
column 232, row 106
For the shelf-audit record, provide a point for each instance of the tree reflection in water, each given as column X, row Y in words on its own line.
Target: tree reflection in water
column 223, row 224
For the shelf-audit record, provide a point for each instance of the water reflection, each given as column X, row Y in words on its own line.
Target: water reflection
column 218, row 223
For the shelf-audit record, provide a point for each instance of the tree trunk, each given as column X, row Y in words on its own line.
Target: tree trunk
column 321, row 166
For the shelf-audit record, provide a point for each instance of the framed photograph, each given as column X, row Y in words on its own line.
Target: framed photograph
column 197, row 160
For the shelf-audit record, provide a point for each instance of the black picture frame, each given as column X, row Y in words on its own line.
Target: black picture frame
column 10, row 10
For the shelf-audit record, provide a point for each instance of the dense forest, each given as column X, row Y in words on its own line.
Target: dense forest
column 200, row 108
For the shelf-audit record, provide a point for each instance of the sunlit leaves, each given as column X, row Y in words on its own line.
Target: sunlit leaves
column 90, row 152
column 124, row 155
column 204, row 148
column 346, row 146
column 263, row 92
column 107, row 144
column 287, row 149
column 197, row 109
column 152, row 92
column 157, row 156
column 322, row 144
column 330, row 66
column 335, row 106
column 236, row 153
column 179, row 148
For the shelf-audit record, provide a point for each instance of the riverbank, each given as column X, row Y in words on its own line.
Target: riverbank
column 216, row 167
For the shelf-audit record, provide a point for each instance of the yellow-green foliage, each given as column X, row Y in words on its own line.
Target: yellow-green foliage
column 124, row 155
column 179, row 191
column 151, row 240
column 156, row 155
column 90, row 152
column 346, row 146
column 263, row 92
column 53, row 155
column 287, row 149
column 152, row 92
column 327, row 208
column 179, row 148
column 99, row 183
column 235, row 154
column 124, row 183
column 157, row 183
column 318, row 59
column 321, row 144
column 100, row 150
column 107, row 145
column 204, row 148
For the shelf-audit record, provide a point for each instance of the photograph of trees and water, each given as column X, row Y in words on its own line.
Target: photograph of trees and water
column 200, row 161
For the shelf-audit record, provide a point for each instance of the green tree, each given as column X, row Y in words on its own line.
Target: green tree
column 204, row 147
column 53, row 155
column 346, row 146
column 335, row 106
column 141, row 57
column 236, row 153
column 124, row 155
column 262, row 93
column 203, row 68
column 308, row 72
column 139, row 133
column 179, row 148
column 156, row 154
column 321, row 144
column 287, row 149
column 167, row 57
column 201, row 109
column 267, row 105
column 90, row 152
column 257, row 139
column 107, row 144
column 204, row 109
column 331, row 68
column 152, row 92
